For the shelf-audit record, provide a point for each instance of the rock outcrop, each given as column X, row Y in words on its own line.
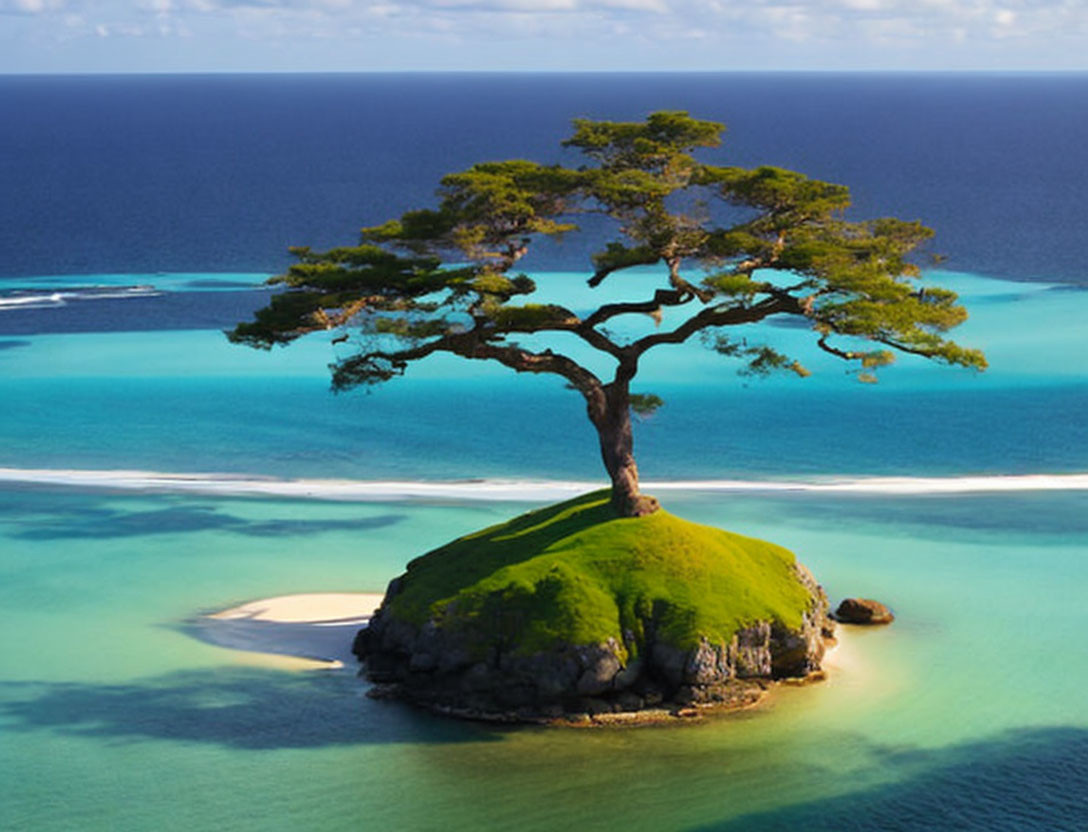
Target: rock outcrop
column 863, row 611
column 443, row 667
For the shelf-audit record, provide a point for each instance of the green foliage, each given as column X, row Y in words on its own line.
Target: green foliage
column 788, row 197
column 736, row 285
column 659, row 143
column 760, row 360
column 443, row 276
column 646, row 404
column 531, row 317
column 575, row 573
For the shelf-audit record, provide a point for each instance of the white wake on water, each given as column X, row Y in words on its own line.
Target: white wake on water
column 47, row 298
column 241, row 485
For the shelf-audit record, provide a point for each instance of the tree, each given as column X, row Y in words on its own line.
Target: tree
column 764, row 242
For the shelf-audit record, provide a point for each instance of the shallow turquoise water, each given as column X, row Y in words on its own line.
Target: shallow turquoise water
column 114, row 718
column 189, row 401
column 967, row 713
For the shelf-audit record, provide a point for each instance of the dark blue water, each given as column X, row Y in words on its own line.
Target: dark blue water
column 222, row 173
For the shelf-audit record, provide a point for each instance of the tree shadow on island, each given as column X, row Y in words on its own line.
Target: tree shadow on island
column 472, row 558
column 242, row 708
column 1028, row 779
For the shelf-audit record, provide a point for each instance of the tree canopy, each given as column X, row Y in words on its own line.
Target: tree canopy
column 734, row 246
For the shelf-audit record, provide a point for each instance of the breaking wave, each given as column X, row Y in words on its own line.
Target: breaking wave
column 241, row 485
column 49, row 298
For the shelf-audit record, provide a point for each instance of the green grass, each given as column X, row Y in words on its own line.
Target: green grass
column 575, row 573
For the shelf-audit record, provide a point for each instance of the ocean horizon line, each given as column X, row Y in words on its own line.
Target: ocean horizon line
column 998, row 72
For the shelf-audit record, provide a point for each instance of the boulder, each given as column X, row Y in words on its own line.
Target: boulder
column 863, row 611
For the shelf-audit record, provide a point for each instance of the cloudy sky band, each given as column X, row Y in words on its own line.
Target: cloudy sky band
column 338, row 35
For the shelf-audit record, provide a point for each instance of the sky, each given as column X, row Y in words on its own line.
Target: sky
column 530, row 35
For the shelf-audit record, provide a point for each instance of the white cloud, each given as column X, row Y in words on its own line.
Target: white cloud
column 728, row 32
column 30, row 7
column 654, row 6
column 866, row 5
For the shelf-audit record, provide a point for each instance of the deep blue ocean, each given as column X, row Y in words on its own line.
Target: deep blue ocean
column 151, row 472
column 221, row 173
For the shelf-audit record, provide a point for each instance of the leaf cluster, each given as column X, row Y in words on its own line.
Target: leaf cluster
column 735, row 246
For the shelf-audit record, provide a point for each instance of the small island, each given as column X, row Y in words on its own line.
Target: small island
column 607, row 604
column 572, row 612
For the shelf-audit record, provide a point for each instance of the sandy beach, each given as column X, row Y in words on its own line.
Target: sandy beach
column 315, row 629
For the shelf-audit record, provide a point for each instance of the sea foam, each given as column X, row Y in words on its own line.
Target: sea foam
column 45, row 298
column 515, row 490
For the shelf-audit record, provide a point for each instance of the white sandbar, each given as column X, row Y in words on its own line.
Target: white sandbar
column 318, row 627
column 321, row 609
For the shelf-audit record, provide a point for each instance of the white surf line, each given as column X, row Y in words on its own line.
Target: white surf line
column 48, row 298
column 997, row 483
column 517, row 490
column 245, row 485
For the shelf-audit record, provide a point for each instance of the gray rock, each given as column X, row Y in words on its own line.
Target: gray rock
column 708, row 664
column 442, row 665
column 753, row 651
column 668, row 662
column 597, row 677
column 628, row 675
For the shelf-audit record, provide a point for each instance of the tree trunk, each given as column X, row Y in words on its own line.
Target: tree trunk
column 613, row 423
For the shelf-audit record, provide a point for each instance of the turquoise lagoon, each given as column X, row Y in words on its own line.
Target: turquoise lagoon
column 968, row 713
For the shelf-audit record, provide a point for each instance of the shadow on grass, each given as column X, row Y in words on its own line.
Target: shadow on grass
column 443, row 572
column 1031, row 779
column 245, row 708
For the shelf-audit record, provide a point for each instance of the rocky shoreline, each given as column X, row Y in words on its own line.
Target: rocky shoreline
column 744, row 695
column 440, row 669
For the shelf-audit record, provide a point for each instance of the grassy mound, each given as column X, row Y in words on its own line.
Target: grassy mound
column 575, row 573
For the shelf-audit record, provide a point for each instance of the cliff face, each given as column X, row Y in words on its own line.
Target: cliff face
column 442, row 668
column 570, row 610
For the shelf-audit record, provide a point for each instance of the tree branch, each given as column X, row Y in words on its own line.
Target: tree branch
column 381, row 365
column 598, row 340
column 572, row 324
column 846, row 355
column 523, row 361
column 718, row 316
column 682, row 285
column 662, row 297
column 855, row 355
column 604, row 271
